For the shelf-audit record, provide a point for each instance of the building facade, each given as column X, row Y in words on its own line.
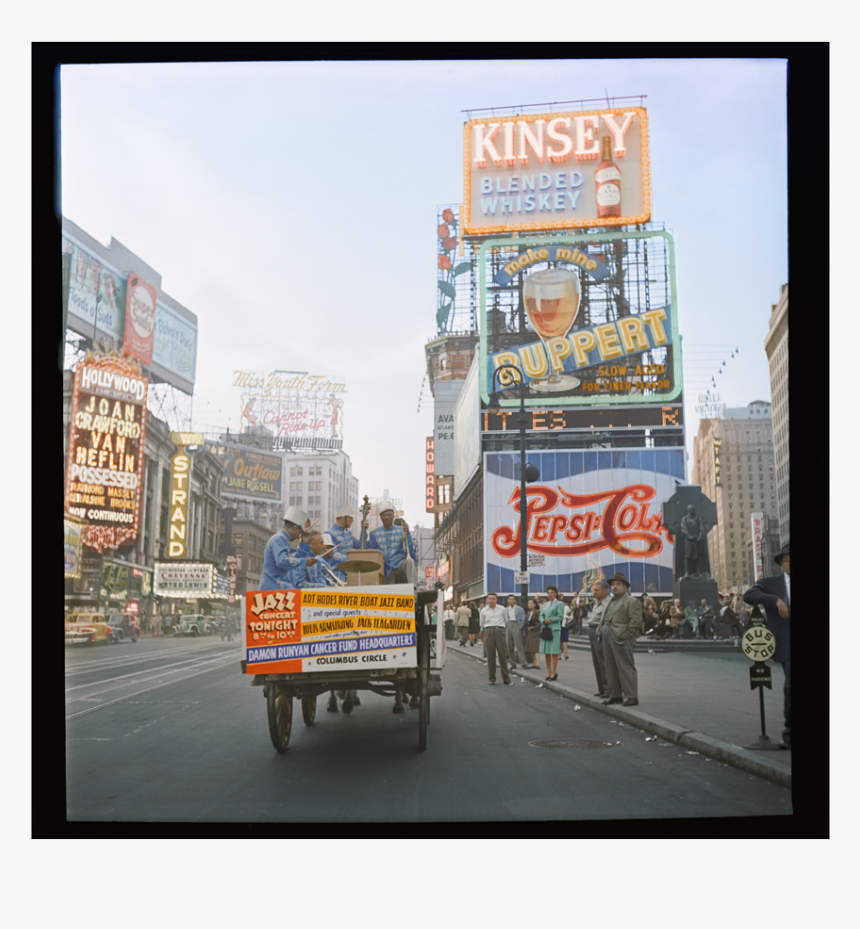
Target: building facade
column 320, row 483
column 776, row 346
column 733, row 462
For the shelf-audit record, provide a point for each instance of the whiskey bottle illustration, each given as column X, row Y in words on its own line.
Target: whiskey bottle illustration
column 607, row 180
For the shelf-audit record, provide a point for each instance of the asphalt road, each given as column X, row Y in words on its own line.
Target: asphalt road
column 171, row 731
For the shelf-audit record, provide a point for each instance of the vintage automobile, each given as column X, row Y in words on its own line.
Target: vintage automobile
column 193, row 624
column 87, row 629
column 124, row 626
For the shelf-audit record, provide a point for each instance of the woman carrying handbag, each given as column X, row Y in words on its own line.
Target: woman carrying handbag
column 552, row 616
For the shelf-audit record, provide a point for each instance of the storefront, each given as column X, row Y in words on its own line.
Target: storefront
column 190, row 587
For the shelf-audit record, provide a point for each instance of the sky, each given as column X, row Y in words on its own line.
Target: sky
column 292, row 208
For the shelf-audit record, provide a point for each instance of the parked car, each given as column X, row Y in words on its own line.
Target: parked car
column 193, row 624
column 124, row 626
column 87, row 629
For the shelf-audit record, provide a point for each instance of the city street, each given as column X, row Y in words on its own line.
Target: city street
column 170, row 730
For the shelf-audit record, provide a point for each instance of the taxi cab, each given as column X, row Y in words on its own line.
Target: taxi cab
column 87, row 629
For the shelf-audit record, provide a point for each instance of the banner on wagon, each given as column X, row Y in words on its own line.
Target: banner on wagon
column 330, row 629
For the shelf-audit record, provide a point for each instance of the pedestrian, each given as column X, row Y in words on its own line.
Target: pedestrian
column 565, row 627
column 730, row 618
column 600, row 592
column 494, row 619
column 649, row 614
column 156, row 625
column 513, row 633
column 168, row 624
column 578, row 613
column 691, row 615
column 706, row 620
column 551, row 617
column 474, row 623
column 461, row 621
column 533, row 625
column 774, row 594
column 743, row 613
column 618, row 630
column 448, row 618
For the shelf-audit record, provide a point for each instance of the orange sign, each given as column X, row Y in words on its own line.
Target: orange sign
column 139, row 332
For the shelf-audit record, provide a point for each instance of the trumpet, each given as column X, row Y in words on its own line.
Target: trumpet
column 330, row 577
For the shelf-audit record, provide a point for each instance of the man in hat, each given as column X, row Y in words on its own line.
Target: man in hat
column 394, row 542
column 774, row 594
column 281, row 555
column 342, row 539
column 618, row 630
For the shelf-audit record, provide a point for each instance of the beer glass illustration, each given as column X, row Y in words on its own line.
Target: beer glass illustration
column 552, row 300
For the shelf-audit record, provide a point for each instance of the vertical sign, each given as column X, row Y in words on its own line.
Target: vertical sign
column 139, row 319
column 180, row 479
column 430, row 473
column 757, row 520
column 232, row 574
column 718, row 444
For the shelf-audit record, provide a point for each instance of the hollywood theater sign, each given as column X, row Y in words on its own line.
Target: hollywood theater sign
column 598, row 513
column 556, row 171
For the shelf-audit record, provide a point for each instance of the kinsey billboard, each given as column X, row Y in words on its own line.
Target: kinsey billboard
column 600, row 323
column 591, row 513
column 548, row 171
column 104, row 471
column 248, row 473
column 331, row 629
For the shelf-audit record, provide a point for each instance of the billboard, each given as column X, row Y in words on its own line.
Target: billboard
column 156, row 334
column 185, row 580
column 104, row 471
column 301, row 410
column 140, row 303
column 587, row 168
column 249, row 474
column 591, row 319
column 332, row 629
column 590, row 514
column 72, row 539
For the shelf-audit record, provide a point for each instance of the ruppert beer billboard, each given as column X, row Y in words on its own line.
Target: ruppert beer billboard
column 548, row 171
column 104, row 472
column 601, row 323
column 592, row 513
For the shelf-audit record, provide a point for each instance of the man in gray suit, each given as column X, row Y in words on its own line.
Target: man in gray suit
column 618, row 629
column 514, row 633
column 774, row 594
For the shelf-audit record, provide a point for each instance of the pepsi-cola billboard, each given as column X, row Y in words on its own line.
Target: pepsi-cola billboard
column 591, row 514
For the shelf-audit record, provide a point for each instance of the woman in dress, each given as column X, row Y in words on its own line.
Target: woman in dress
column 533, row 632
column 474, row 624
column 552, row 616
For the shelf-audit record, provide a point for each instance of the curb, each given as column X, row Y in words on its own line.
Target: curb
column 748, row 760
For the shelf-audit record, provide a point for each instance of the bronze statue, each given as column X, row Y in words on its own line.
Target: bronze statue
column 693, row 533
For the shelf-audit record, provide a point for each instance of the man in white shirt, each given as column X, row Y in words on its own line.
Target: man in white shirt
column 494, row 620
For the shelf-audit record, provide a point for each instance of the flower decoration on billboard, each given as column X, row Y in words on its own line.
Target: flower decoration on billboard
column 447, row 242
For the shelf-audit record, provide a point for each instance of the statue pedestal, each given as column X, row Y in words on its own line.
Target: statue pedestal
column 698, row 589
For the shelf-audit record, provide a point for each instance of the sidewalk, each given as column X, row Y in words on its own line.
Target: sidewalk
column 699, row 699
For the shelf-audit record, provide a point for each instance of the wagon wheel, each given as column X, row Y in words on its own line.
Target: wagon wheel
column 309, row 709
column 279, row 706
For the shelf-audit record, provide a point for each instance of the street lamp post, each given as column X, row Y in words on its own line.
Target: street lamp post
column 528, row 472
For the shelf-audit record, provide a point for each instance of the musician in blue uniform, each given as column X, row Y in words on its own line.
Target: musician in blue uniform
column 281, row 555
column 395, row 543
column 343, row 540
